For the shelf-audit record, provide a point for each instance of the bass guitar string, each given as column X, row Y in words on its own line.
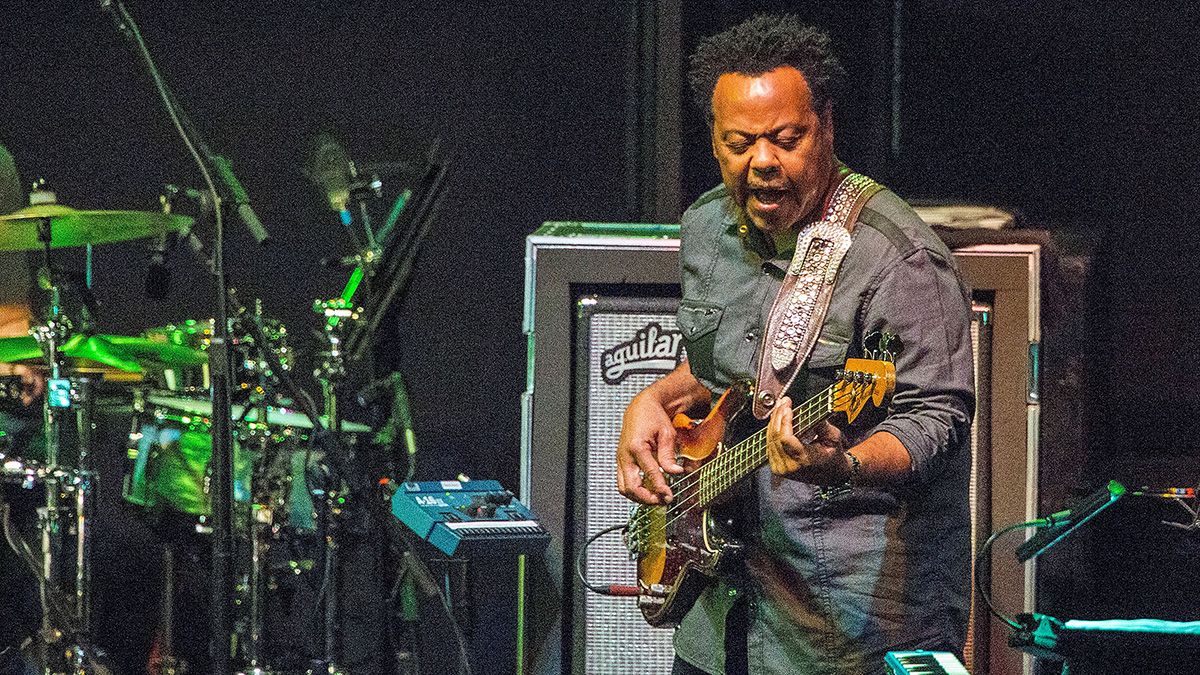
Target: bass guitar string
column 818, row 404
column 728, row 467
column 808, row 414
column 758, row 447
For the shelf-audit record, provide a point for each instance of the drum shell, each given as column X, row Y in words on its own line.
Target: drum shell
column 189, row 380
column 169, row 468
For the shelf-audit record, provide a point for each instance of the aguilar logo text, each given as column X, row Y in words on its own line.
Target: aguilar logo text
column 652, row 350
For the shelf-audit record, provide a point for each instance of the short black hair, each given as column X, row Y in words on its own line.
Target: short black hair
column 761, row 44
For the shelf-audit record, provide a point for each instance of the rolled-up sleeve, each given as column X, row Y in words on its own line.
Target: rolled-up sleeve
column 921, row 299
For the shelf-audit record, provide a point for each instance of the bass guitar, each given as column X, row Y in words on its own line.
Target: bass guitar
column 679, row 547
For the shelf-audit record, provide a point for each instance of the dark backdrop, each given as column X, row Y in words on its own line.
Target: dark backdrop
column 530, row 103
column 527, row 98
column 1081, row 115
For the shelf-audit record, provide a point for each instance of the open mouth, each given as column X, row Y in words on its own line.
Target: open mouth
column 766, row 196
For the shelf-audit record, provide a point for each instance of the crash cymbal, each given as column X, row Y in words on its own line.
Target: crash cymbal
column 125, row 353
column 72, row 227
column 282, row 417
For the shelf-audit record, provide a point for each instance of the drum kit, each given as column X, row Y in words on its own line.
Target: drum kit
column 162, row 378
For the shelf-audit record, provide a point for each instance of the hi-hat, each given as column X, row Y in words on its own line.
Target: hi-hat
column 72, row 227
column 129, row 354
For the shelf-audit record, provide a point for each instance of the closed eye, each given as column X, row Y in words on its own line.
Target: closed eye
column 786, row 140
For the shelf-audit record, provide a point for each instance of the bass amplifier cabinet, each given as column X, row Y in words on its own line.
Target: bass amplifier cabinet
column 622, row 344
column 600, row 305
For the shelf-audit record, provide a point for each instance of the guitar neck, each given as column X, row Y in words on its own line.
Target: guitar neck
column 740, row 460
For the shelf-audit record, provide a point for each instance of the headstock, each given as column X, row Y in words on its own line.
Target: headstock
column 860, row 381
column 882, row 346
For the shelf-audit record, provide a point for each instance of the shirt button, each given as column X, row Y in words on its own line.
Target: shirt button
column 750, row 335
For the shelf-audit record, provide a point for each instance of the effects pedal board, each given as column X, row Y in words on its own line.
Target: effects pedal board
column 469, row 518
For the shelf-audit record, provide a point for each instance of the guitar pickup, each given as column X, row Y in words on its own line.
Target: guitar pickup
column 650, row 601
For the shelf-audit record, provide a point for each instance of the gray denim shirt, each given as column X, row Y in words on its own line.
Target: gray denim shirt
column 834, row 583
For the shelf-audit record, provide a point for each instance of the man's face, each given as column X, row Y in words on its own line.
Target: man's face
column 775, row 152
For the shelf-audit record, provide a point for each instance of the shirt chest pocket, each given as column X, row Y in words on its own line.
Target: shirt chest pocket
column 829, row 352
column 828, row 356
column 698, row 321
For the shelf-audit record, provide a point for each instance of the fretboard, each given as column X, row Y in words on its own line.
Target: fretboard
column 736, row 462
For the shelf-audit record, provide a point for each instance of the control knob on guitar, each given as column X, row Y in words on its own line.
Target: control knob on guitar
column 679, row 547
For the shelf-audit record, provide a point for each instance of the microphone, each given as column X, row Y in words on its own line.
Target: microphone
column 329, row 166
column 241, row 199
column 1057, row 526
column 400, row 418
column 158, row 270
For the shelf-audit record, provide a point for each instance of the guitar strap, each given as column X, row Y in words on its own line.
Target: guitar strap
column 799, row 309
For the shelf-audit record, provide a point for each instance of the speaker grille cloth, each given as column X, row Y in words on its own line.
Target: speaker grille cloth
column 618, row 640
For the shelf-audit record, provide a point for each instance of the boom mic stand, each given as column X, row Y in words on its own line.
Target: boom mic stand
column 209, row 164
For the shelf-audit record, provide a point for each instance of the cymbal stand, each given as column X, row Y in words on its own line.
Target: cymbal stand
column 260, row 513
column 258, row 522
column 60, row 396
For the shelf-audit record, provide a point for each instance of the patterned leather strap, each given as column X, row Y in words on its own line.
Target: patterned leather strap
column 799, row 309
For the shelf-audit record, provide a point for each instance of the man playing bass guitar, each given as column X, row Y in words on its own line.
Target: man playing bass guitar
column 854, row 536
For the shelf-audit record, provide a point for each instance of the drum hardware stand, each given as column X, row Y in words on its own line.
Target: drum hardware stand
column 280, row 380
column 343, row 324
column 62, row 647
column 166, row 662
column 389, row 272
column 76, row 656
column 331, row 372
column 260, row 514
column 255, row 519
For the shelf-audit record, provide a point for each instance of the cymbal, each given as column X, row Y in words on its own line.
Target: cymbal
column 72, row 227
column 125, row 353
column 281, row 417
